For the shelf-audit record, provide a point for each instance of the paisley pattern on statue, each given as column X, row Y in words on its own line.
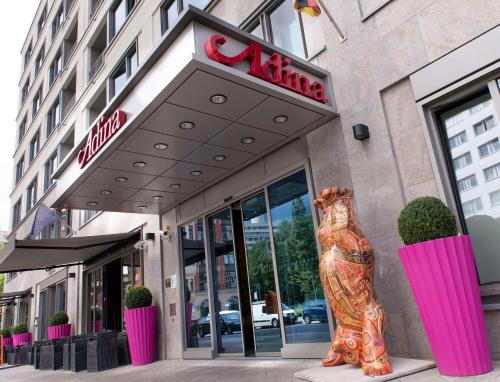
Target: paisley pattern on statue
column 346, row 271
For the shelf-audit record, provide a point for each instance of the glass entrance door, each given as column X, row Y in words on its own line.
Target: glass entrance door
column 225, row 284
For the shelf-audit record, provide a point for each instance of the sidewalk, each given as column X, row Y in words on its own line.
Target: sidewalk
column 221, row 370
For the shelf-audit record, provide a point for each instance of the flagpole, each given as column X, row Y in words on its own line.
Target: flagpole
column 342, row 35
column 61, row 220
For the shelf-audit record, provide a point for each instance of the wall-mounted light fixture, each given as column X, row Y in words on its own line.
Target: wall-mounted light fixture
column 71, row 275
column 149, row 236
column 361, row 132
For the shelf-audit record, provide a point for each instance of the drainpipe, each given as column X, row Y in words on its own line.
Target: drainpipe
column 162, row 273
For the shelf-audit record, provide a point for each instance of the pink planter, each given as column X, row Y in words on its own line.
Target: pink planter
column 8, row 341
column 141, row 333
column 21, row 339
column 59, row 331
column 442, row 276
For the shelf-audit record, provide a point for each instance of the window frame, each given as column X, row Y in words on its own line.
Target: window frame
column 20, row 166
column 40, row 58
column 39, row 99
column 164, row 7
column 49, row 168
column 124, row 60
column 28, row 53
column 16, row 213
column 34, row 143
column 58, row 21
column 25, row 90
column 112, row 32
column 58, row 57
column 54, row 115
column 31, row 195
column 42, row 20
column 21, row 131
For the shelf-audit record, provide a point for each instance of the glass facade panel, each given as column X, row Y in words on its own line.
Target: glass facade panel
column 197, row 313
column 227, row 307
column 303, row 303
column 285, row 29
column 476, row 167
column 265, row 312
column 119, row 15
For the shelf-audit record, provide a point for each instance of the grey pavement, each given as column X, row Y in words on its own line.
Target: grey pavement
column 220, row 370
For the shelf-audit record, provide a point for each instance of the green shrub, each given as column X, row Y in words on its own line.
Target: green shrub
column 138, row 297
column 59, row 318
column 426, row 218
column 5, row 333
column 20, row 329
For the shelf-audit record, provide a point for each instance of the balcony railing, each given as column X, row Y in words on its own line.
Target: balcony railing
column 99, row 62
column 68, row 107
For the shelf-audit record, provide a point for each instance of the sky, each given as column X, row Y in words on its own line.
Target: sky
column 15, row 20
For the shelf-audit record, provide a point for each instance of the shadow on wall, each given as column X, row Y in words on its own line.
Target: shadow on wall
column 485, row 232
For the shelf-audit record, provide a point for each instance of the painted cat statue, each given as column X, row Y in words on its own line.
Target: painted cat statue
column 346, row 271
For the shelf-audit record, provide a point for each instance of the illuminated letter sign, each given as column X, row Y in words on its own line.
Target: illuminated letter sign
column 275, row 70
column 100, row 135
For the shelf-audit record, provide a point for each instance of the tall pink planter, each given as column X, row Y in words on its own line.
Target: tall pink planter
column 442, row 276
column 141, row 333
column 8, row 341
column 21, row 339
column 59, row 331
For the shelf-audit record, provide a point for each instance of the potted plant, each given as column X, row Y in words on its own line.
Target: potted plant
column 440, row 268
column 21, row 335
column 7, row 338
column 59, row 326
column 140, row 321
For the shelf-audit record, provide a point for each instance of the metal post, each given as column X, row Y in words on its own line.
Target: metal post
column 342, row 35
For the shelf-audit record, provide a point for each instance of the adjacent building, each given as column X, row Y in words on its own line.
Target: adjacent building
column 180, row 144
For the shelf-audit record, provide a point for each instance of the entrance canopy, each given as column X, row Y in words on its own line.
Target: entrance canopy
column 208, row 101
column 25, row 255
column 9, row 297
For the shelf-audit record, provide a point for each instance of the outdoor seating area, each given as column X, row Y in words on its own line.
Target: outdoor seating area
column 91, row 352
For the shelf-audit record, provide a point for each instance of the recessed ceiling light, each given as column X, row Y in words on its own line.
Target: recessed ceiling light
column 196, row 173
column 280, row 119
column 158, row 197
column 92, row 204
column 218, row 99
column 142, row 207
column 106, row 192
column 161, row 146
column 139, row 164
column 219, row 158
column 186, row 125
column 175, row 186
column 247, row 140
column 121, row 179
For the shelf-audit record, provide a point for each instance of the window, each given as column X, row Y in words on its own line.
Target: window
column 492, row 172
column 50, row 167
column 466, row 184
column 24, row 311
column 37, row 101
column 41, row 20
column 458, row 139
column 281, row 25
column 19, row 169
column 453, row 120
column 56, row 66
column 480, row 106
column 31, row 196
column 58, row 21
column 16, row 214
column 495, row 198
column 485, row 125
column 53, row 117
column 27, row 55
column 489, row 148
column 118, row 14
column 472, row 206
column 87, row 215
column 39, row 59
column 169, row 14
column 34, row 146
column 126, row 68
column 25, row 90
column 462, row 161
column 22, row 130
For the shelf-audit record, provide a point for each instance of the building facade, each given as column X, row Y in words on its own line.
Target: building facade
column 198, row 137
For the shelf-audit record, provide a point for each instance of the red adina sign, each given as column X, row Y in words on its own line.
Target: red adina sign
column 274, row 70
column 100, row 135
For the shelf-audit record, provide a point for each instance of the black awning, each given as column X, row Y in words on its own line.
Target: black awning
column 27, row 255
column 13, row 295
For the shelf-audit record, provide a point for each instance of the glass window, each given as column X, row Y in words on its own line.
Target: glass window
column 285, row 29
column 60, row 297
column 22, row 130
column 123, row 72
column 462, row 161
column 19, row 169
column 25, row 90
column 297, row 261
column 118, row 15
column 201, row 4
column 466, row 184
column 453, row 120
column 56, row 66
column 16, row 214
column 39, row 59
column 478, row 194
column 50, row 167
column 24, row 311
column 28, row 53
column 31, row 196
column 58, row 21
column 485, row 125
column 34, row 146
column 458, row 139
column 258, row 31
column 37, row 101
column 197, row 313
column 41, row 20
column 169, row 14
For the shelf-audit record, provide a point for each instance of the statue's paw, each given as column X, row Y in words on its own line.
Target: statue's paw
column 333, row 359
column 377, row 367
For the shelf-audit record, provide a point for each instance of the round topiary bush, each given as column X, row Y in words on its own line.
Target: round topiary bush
column 138, row 297
column 5, row 333
column 426, row 218
column 59, row 318
column 20, row 329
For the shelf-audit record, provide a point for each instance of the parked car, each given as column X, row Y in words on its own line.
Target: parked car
column 314, row 310
column 230, row 321
column 262, row 319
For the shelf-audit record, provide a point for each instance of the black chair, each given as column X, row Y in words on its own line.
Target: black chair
column 36, row 352
column 78, row 353
column 13, row 355
column 24, row 351
column 123, row 349
column 102, row 352
column 51, row 356
column 67, row 350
